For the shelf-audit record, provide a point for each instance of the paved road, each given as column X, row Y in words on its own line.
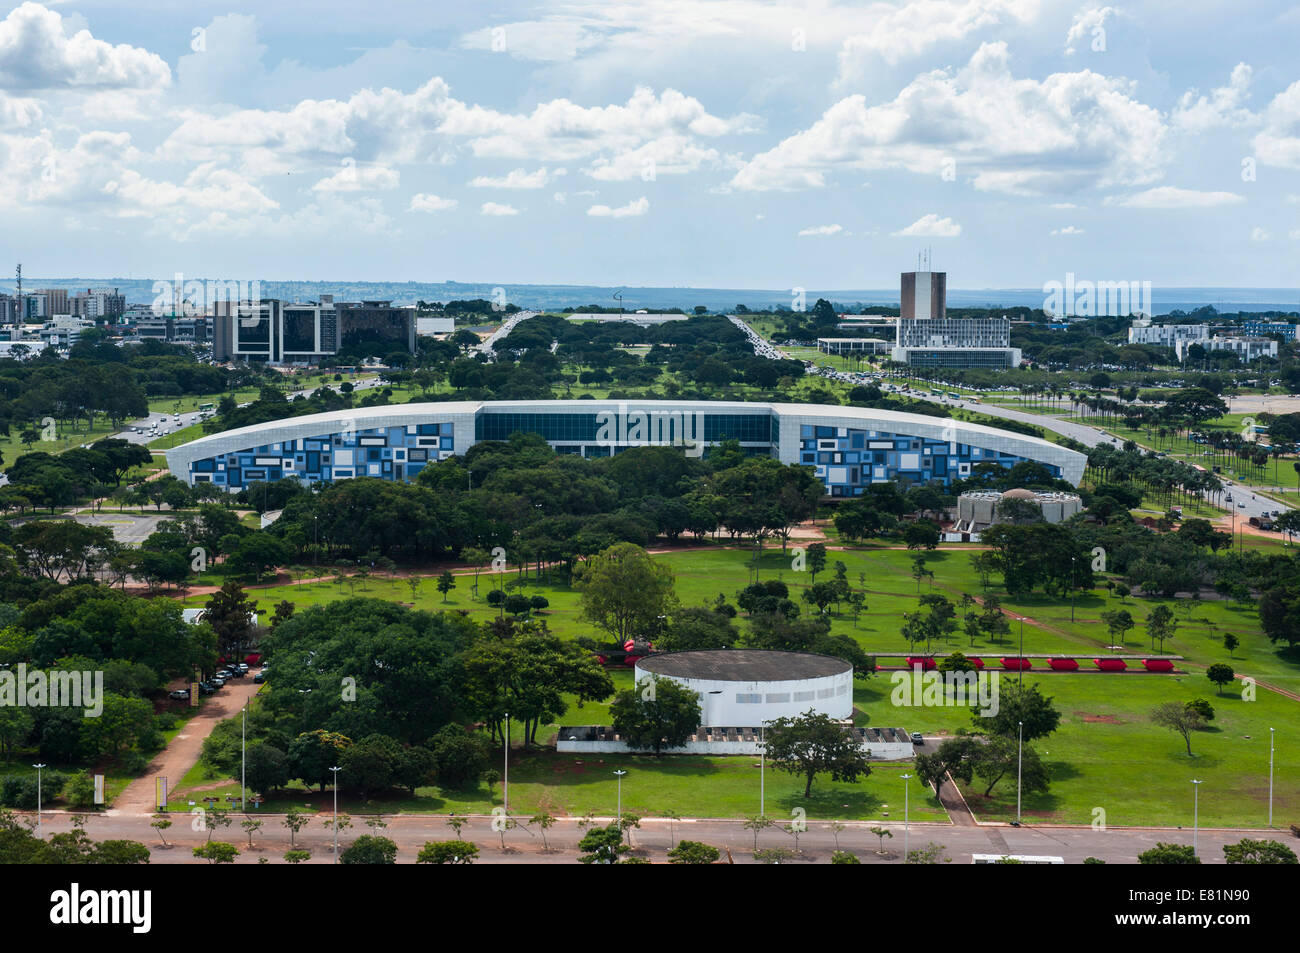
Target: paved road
column 654, row 837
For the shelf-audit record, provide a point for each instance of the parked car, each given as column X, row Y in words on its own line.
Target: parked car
column 260, row 677
column 206, row 688
column 917, row 738
column 181, row 694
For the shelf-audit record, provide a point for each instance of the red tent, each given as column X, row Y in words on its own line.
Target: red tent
column 924, row 661
column 1065, row 665
column 977, row 662
column 1111, row 664
column 1158, row 665
column 1017, row 664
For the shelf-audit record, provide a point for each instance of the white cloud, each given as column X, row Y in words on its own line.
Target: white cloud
column 428, row 202
column 37, row 52
column 1294, row 234
column 636, row 207
column 931, row 226
column 1021, row 136
column 904, row 31
column 1168, row 196
column 1064, row 205
column 496, row 208
column 821, row 230
column 1225, row 106
column 354, row 177
column 1085, row 27
column 559, row 198
column 1278, row 143
column 1067, row 230
column 514, row 179
column 1258, row 234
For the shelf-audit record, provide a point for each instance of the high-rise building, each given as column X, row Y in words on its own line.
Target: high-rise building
column 305, row 333
column 927, row 337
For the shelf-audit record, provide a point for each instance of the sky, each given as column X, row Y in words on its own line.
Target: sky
column 700, row 143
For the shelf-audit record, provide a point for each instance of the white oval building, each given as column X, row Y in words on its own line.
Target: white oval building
column 747, row 687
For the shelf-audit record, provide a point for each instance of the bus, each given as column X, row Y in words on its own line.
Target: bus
column 207, row 408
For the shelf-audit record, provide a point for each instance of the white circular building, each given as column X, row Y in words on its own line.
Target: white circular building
column 747, row 687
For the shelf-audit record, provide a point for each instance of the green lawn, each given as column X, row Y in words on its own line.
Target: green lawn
column 1106, row 753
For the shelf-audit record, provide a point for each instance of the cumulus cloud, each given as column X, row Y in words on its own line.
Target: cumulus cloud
column 515, row 179
column 931, row 226
column 1258, row 234
column 38, row 53
column 1067, row 230
column 428, row 202
column 1169, row 196
column 354, row 177
column 496, row 208
column 1022, row 136
column 909, row 29
column 1278, row 142
column 1085, row 26
column 1225, row 106
column 636, row 207
column 821, row 230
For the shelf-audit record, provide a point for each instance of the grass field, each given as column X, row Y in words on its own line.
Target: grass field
column 1106, row 754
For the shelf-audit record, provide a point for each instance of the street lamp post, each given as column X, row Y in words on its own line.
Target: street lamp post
column 1271, row 733
column 762, row 770
column 335, row 772
column 1196, row 814
column 1074, row 583
column 243, row 758
column 906, row 828
column 505, row 778
column 1020, row 760
column 618, row 773
column 38, row 798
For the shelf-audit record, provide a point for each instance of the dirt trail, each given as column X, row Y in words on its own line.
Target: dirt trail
column 183, row 752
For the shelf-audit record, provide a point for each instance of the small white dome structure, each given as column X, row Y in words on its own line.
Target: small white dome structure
column 747, row 687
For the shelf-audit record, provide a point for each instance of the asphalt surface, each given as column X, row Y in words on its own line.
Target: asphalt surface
column 655, row 836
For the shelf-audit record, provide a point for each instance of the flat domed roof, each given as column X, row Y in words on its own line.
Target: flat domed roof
column 1020, row 493
column 744, row 665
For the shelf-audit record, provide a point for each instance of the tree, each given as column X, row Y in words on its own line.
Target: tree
column 816, row 557
column 693, row 852
column 813, row 743
column 1164, row 853
column 459, row 756
column 160, row 823
column 296, row 856
column 1020, row 703
column 1118, row 623
column 267, row 768
column 602, row 845
column 295, row 820
column 757, row 823
column 370, row 849
column 447, row 852
column 1220, row 674
column 232, row 616
column 844, row 857
column 1230, row 642
column 1248, row 851
column 217, row 852
column 446, row 583
column 881, row 833
column 1161, row 625
column 657, row 714
column 624, row 591
column 544, row 821
column 1178, row 718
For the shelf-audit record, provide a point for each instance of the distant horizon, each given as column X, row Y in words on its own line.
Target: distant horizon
column 528, row 295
